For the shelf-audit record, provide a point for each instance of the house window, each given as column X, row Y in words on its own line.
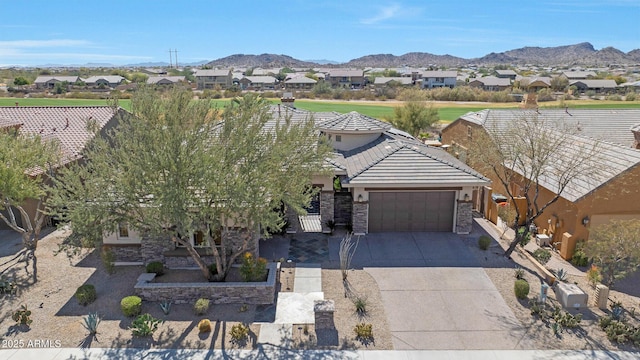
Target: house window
column 469, row 131
column 338, row 138
column 198, row 240
column 123, row 230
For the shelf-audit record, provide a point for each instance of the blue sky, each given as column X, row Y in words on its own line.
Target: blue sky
column 119, row 32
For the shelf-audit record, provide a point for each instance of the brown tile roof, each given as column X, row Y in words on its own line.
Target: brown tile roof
column 66, row 124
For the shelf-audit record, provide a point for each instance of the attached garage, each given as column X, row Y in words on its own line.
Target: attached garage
column 411, row 211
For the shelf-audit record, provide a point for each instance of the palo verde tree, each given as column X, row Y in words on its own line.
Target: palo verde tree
column 177, row 167
column 528, row 154
column 25, row 162
column 615, row 249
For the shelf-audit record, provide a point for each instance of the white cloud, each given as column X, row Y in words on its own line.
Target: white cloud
column 385, row 13
column 23, row 44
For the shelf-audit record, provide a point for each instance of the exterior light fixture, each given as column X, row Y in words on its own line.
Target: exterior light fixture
column 466, row 197
column 585, row 220
column 360, row 198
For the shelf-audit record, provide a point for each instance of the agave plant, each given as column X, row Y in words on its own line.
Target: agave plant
column 561, row 274
column 165, row 305
column 91, row 322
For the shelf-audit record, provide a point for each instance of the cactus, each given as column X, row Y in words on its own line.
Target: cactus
column 165, row 305
column 91, row 322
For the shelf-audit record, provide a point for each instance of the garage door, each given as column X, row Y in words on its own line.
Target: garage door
column 411, row 211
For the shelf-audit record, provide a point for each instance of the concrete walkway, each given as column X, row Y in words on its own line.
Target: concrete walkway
column 294, row 307
column 274, row 352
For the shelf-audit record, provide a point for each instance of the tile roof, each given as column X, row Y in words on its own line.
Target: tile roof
column 44, row 78
column 66, row 124
column 381, row 80
column 261, row 79
column 391, row 161
column 300, row 80
column 354, row 122
column 493, row 81
column 606, row 130
column 596, row 83
column 212, row 72
column 156, row 79
column 439, row 73
column 345, row 73
column 112, row 79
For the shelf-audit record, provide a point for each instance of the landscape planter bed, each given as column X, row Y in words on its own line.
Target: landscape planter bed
column 252, row 293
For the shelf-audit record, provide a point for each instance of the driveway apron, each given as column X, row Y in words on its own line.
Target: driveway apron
column 435, row 294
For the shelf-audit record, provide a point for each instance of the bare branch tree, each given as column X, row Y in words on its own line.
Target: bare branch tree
column 347, row 250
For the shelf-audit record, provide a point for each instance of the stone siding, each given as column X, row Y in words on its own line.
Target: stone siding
column 185, row 262
column 342, row 208
column 153, row 248
column 253, row 293
column 464, row 217
column 326, row 210
column 323, row 311
column 360, row 217
column 126, row 253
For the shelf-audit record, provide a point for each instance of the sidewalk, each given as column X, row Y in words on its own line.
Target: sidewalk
column 272, row 352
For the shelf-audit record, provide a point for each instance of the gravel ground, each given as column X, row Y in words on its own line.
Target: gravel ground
column 539, row 335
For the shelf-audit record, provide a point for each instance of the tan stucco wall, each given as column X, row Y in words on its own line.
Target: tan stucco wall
column 350, row 141
column 115, row 239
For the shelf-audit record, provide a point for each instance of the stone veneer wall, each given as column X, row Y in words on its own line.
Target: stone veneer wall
column 464, row 217
column 254, row 293
column 294, row 221
column 360, row 217
column 153, row 248
column 343, row 205
column 186, row 261
column 326, row 210
column 125, row 253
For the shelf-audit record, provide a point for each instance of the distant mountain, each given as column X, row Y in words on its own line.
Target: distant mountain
column 263, row 60
column 578, row 54
column 323, row 62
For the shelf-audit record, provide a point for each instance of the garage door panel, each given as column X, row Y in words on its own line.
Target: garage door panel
column 411, row 211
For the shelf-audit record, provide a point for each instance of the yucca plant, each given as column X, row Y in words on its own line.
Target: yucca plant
column 561, row 274
column 91, row 322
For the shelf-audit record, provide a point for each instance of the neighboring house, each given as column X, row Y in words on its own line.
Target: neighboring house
column 491, row 83
column 388, row 182
column 165, row 80
column 49, row 82
column 589, row 200
column 434, row 79
column 385, row 81
column 578, row 75
column 110, row 81
column 258, row 83
column 210, row 79
column 299, row 83
column 633, row 86
column 536, row 84
column 506, row 74
column 598, row 85
column 66, row 124
column 353, row 79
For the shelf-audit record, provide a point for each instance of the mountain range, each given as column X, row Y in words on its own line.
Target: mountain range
column 570, row 55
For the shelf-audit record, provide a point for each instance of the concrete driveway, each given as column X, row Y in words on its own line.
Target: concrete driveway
column 435, row 294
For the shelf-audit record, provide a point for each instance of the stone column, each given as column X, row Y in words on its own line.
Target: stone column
column 464, row 217
column 323, row 311
column 326, row 210
column 360, row 217
column 152, row 248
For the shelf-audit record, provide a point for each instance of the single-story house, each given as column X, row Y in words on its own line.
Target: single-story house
column 491, row 83
column 578, row 75
column 109, row 81
column 258, row 83
column 385, row 81
column 300, row 83
column 597, row 85
column 49, row 82
column 165, row 80
column 383, row 180
column 536, row 83
column 434, row 79
column 590, row 199
column 66, row 124
column 506, row 74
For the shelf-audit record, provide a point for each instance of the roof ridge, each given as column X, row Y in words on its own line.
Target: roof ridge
column 377, row 161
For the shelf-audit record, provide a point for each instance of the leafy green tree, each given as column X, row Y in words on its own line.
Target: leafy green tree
column 615, row 249
column 20, row 80
column 173, row 170
column 24, row 161
column 414, row 116
column 138, row 77
column 60, row 87
column 559, row 83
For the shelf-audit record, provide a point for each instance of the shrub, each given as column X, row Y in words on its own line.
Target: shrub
column 204, row 326
column 155, row 267
column 521, row 288
column 86, row 294
column 212, row 269
column 145, row 325
column 253, row 269
column 201, row 306
column 594, row 276
column 484, row 242
column 630, row 96
column 91, row 323
column 518, row 272
column 614, row 97
column 542, row 255
column 22, row 316
column 131, row 305
column 239, row 333
column 579, row 257
column 364, row 331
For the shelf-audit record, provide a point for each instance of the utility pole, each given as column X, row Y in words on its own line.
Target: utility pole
column 176, row 51
column 170, row 59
